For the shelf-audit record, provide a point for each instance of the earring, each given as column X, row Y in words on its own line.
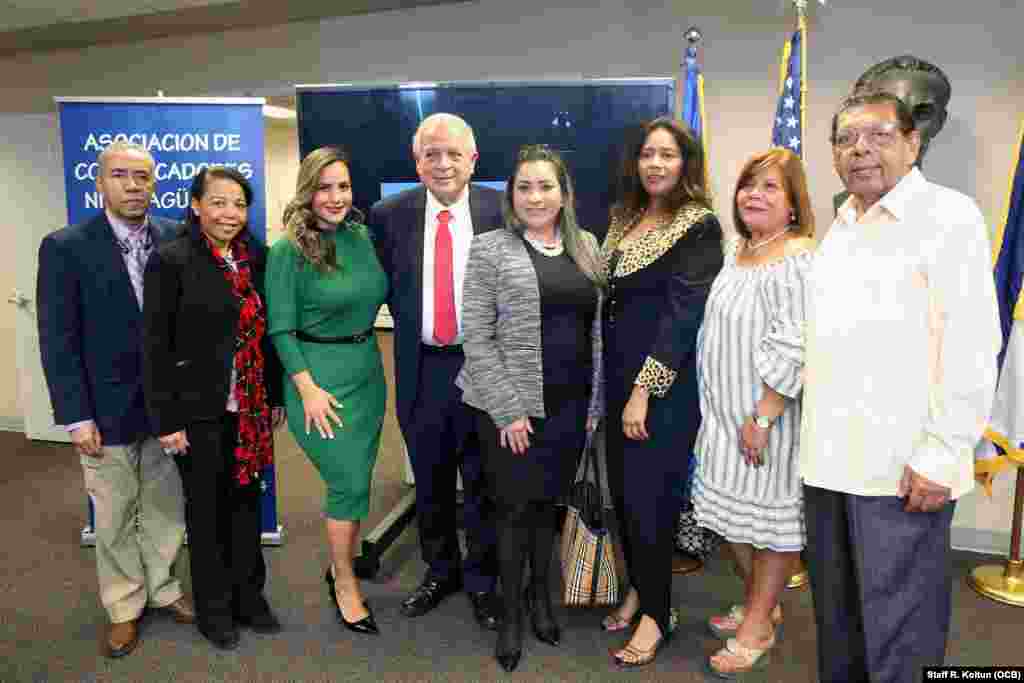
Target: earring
column 792, row 217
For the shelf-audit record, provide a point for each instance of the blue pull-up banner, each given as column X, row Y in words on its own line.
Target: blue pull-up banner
column 183, row 134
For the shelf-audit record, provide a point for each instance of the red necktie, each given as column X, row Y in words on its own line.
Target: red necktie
column 444, row 283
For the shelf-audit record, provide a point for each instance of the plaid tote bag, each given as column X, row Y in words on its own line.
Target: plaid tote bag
column 588, row 558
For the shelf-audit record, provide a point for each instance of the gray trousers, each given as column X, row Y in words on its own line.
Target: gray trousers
column 140, row 526
column 881, row 582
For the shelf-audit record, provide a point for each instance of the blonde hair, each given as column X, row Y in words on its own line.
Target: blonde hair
column 300, row 224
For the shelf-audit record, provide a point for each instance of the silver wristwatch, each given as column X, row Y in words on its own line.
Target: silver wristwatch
column 762, row 422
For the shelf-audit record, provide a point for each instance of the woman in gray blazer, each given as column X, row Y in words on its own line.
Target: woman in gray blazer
column 531, row 318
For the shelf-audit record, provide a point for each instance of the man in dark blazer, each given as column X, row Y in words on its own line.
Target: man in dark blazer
column 422, row 237
column 89, row 289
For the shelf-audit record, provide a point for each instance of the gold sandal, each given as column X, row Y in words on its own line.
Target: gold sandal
column 631, row 656
column 743, row 659
column 725, row 626
column 614, row 622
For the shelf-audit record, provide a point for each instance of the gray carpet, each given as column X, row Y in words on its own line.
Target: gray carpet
column 51, row 620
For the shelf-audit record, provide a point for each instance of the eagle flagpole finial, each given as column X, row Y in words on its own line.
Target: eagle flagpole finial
column 801, row 6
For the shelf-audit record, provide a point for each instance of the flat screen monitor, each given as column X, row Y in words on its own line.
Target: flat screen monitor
column 588, row 121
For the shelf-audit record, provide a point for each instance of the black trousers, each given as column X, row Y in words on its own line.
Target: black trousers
column 223, row 521
column 526, row 537
column 881, row 584
column 643, row 478
column 442, row 441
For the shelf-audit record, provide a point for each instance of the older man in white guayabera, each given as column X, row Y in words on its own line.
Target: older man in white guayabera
column 902, row 337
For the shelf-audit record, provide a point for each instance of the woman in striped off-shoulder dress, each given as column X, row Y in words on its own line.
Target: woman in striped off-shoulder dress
column 750, row 367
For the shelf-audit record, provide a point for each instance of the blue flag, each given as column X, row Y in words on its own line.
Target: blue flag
column 788, row 129
column 693, row 94
column 1009, row 253
column 1006, row 425
column 693, row 104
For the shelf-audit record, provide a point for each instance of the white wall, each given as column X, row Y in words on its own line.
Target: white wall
column 282, row 168
column 976, row 43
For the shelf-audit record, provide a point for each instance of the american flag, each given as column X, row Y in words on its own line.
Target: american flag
column 788, row 130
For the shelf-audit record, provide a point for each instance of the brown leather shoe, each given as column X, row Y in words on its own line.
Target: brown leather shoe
column 685, row 564
column 122, row 638
column 180, row 610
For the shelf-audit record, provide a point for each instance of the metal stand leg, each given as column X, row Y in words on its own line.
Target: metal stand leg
column 383, row 535
column 376, row 543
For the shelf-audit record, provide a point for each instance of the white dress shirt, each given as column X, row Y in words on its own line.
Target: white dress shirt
column 232, row 405
column 461, row 227
column 902, row 337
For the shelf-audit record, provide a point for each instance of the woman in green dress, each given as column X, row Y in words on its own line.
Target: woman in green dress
column 324, row 286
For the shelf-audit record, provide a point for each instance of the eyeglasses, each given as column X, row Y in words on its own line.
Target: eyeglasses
column 879, row 137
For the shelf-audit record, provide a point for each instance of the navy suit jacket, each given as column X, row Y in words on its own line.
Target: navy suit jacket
column 397, row 226
column 90, row 329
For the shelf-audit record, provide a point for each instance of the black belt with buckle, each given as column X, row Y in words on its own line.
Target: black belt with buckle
column 351, row 339
column 451, row 348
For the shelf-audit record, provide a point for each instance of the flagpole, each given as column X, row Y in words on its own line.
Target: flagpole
column 693, row 38
column 800, row 578
column 801, row 13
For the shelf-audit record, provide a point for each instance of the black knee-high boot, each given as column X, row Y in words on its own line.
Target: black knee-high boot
column 541, row 545
column 513, row 546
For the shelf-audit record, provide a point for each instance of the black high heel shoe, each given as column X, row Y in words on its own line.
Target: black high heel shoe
column 367, row 625
column 545, row 632
column 509, row 648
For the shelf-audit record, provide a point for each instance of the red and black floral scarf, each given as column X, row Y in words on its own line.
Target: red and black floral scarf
column 255, row 447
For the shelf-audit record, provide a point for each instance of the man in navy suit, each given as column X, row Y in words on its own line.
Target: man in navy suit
column 89, row 290
column 422, row 237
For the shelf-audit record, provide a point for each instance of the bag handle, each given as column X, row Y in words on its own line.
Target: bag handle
column 587, row 460
column 592, row 460
column 590, row 453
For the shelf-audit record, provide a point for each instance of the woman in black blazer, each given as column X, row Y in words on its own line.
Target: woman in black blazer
column 662, row 252
column 213, row 393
